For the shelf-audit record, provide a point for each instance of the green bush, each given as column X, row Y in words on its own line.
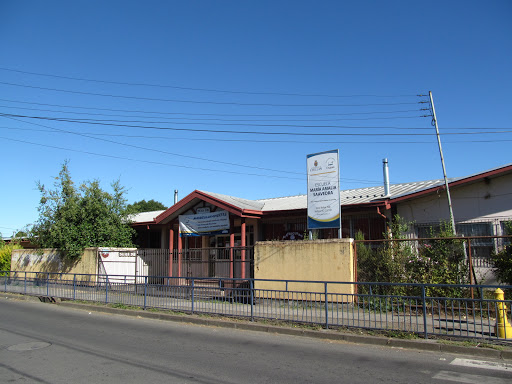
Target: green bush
column 502, row 261
column 5, row 255
column 440, row 261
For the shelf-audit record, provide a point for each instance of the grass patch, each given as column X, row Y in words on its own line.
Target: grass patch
column 123, row 306
column 472, row 344
column 402, row 335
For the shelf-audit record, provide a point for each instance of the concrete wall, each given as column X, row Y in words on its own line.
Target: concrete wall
column 49, row 260
column 317, row 260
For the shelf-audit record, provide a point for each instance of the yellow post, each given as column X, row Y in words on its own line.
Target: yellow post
column 502, row 329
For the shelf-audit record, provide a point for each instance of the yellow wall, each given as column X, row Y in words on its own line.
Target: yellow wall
column 49, row 260
column 316, row 260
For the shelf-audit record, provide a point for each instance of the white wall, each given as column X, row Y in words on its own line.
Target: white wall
column 483, row 200
column 120, row 265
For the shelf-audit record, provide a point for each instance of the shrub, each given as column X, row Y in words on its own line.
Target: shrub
column 5, row 255
column 502, row 260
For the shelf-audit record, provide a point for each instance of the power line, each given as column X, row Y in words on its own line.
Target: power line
column 168, row 164
column 148, row 161
column 163, row 152
column 181, row 155
column 211, row 114
column 252, row 140
column 197, row 89
column 107, row 121
column 193, row 119
column 202, row 101
column 101, row 123
column 174, row 154
column 211, row 118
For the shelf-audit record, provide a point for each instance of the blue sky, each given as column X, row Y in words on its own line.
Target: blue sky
column 301, row 76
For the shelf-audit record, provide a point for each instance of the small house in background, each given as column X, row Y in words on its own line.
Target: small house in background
column 23, row 241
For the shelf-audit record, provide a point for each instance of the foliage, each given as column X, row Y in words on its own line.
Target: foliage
column 6, row 253
column 71, row 219
column 398, row 260
column 384, row 262
column 440, row 261
column 502, row 261
column 145, row 206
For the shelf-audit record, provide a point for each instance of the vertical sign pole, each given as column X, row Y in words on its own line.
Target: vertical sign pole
column 340, row 235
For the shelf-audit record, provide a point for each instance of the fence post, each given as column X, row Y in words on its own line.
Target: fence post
column 326, row 307
column 424, row 302
column 251, row 286
column 48, row 284
column 145, row 290
column 106, row 289
column 74, row 287
column 25, row 284
column 192, row 284
column 471, row 270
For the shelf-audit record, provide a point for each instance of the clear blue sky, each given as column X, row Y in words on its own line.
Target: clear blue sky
column 292, row 67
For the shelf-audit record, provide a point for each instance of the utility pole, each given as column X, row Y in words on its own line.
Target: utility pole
column 434, row 123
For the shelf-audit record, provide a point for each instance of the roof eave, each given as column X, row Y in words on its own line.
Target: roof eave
column 455, row 183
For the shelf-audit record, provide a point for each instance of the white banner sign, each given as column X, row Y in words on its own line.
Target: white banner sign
column 201, row 224
column 323, row 190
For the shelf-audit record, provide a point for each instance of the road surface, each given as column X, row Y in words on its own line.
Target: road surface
column 46, row 343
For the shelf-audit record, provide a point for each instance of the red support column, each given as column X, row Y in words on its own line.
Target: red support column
column 231, row 251
column 180, row 250
column 243, row 248
column 171, row 249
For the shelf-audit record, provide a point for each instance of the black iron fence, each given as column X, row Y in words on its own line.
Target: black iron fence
column 392, row 307
column 232, row 262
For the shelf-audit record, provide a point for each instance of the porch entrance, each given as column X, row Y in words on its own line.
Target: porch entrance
column 218, row 262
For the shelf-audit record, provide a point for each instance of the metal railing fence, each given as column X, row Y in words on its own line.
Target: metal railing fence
column 400, row 307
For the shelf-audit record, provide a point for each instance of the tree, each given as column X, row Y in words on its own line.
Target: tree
column 72, row 219
column 145, row 206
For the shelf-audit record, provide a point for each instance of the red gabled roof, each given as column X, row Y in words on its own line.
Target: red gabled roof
column 175, row 210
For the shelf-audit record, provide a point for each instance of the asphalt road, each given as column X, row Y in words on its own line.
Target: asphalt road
column 45, row 343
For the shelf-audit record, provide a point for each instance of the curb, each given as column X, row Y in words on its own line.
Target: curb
column 422, row 345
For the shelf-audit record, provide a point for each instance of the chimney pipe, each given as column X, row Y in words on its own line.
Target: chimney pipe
column 175, row 196
column 385, row 170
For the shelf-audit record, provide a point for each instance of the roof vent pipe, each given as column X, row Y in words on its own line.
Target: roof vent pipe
column 385, row 170
column 175, row 196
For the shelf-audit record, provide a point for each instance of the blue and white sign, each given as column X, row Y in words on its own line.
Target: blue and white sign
column 323, row 190
column 203, row 224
